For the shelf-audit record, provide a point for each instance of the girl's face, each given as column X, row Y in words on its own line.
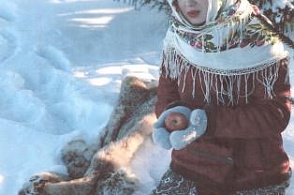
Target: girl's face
column 195, row 11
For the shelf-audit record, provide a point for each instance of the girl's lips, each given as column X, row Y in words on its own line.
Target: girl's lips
column 193, row 14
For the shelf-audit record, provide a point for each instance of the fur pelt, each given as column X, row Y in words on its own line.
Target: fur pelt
column 105, row 168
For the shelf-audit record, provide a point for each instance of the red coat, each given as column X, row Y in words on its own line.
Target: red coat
column 242, row 147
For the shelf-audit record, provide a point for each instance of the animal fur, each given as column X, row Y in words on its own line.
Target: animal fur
column 106, row 168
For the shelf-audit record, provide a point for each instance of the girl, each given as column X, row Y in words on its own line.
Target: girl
column 228, row 75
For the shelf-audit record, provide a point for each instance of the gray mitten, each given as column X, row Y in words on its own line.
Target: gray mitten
column 160, row 134
column 197, row 127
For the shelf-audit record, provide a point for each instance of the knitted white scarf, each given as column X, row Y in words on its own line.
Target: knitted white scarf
column 232, row 44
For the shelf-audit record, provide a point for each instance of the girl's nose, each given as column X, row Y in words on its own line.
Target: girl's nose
column 191, row 2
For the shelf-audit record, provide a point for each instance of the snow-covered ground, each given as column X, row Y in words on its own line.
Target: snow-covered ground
column 62, row 62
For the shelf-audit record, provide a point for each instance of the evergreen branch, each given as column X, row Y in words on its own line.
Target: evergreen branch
column 264, row 20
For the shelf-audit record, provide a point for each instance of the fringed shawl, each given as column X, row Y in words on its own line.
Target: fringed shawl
column 226, row 53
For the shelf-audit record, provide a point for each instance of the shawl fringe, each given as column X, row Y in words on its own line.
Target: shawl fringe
column 225, row 86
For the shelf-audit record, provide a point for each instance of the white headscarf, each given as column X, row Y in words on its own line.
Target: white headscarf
column 221, row 27
column 228, row 24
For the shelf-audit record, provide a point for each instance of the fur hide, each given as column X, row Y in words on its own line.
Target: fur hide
column 105, row 169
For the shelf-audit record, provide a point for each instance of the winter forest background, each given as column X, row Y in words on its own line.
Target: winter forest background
column 62, row 63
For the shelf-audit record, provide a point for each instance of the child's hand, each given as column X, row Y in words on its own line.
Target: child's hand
column 198, row 123
column 160, row 134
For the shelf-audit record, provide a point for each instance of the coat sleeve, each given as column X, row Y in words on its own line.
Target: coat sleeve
column 261, row 117
column 167, row 93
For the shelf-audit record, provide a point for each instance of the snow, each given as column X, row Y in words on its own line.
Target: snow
column 62, row 63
